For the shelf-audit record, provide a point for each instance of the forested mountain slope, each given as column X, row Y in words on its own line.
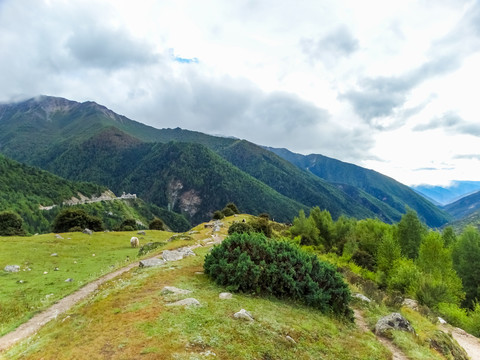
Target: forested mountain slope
column 86, row 141
column 383, row 188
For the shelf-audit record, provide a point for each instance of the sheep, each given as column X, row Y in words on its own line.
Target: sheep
column 134, row 241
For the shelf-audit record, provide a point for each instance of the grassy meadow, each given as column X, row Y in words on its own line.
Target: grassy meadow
column 41, row 279
column 129, row 319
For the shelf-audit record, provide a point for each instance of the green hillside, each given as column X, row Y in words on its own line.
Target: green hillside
column 86, row 141
column 185, row 177
column 385, row 189
column 24, row 189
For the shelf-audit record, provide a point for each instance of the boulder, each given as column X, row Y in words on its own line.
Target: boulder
column 225, row 295
column 151, row 262
column 58, row 236
column 244, row 315
column 394, row 321
column 87, row 231
column 173, row 290
column 410, row 303
column 185, row 302
column 12, row 268
column 141, row 232
column 178, row 254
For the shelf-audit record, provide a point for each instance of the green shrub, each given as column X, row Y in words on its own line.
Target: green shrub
column 364, row 259
column 218, row 215
column 261, row 225
column 227, row 212
column 11, row 224
column 232, row 207
column 128, row 225
column 253, row 263
column 156, row 224
column 240, row 228
column 72, row 218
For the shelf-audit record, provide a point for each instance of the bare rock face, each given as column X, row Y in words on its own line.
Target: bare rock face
column 394, row 321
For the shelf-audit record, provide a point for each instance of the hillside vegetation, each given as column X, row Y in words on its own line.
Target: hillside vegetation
column 132, row 317
column 86, row 141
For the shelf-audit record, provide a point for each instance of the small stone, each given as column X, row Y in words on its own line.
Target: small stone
column 290, row 339
column 21, row 281
column 69, row 280
column 58, row 236
column 93, row 254
column 442, row 321
column 410, row 303
column 87, row 231
column 199, row 272
column 45, row 272
column 54, row 254
column 185, row 302
column 173, row 290
column 56, row 269
column 12, row 268
column 141, row 233
column 225, row 296
column 361, row 297
column 243, row 314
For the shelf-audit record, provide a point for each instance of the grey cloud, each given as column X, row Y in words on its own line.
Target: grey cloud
column 451, row 122
column 468, row 156
column 381, row 96
column 448, row 120
column 336, row 44
column 232, row 107
column 102, row 47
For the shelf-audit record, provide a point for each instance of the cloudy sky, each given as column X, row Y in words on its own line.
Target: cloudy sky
column 388, row 85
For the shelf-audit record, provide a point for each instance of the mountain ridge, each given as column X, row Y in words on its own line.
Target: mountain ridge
column 69, row 130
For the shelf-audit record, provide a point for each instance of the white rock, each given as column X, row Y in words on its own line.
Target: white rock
column 442, row 321
column 185, row 302
column 12, row 268
column 225, row 295
column 243, row 314
column 173, row 290
column 361, row 297
column 151, row 262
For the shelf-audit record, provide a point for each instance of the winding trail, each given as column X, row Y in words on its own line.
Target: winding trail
column 397, row 354
column 470, row 343
column 35, row 323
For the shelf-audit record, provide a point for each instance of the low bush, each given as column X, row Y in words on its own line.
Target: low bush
column 252, row 263
column 240, row 228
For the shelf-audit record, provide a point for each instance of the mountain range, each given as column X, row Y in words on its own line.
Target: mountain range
column 194, row 174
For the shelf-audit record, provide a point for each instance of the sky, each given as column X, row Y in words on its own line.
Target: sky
column 388, row 85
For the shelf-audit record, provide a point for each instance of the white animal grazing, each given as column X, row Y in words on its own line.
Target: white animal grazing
column 134, row 241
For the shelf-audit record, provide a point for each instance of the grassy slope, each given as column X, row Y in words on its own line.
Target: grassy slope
column 128, row 319
column 19, row 301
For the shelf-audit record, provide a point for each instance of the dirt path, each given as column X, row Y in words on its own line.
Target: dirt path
column 397, row 354
column 470, row 343
column 35, row 323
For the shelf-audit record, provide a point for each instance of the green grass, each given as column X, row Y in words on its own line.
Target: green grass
column 80, row 257
column 128, row 318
